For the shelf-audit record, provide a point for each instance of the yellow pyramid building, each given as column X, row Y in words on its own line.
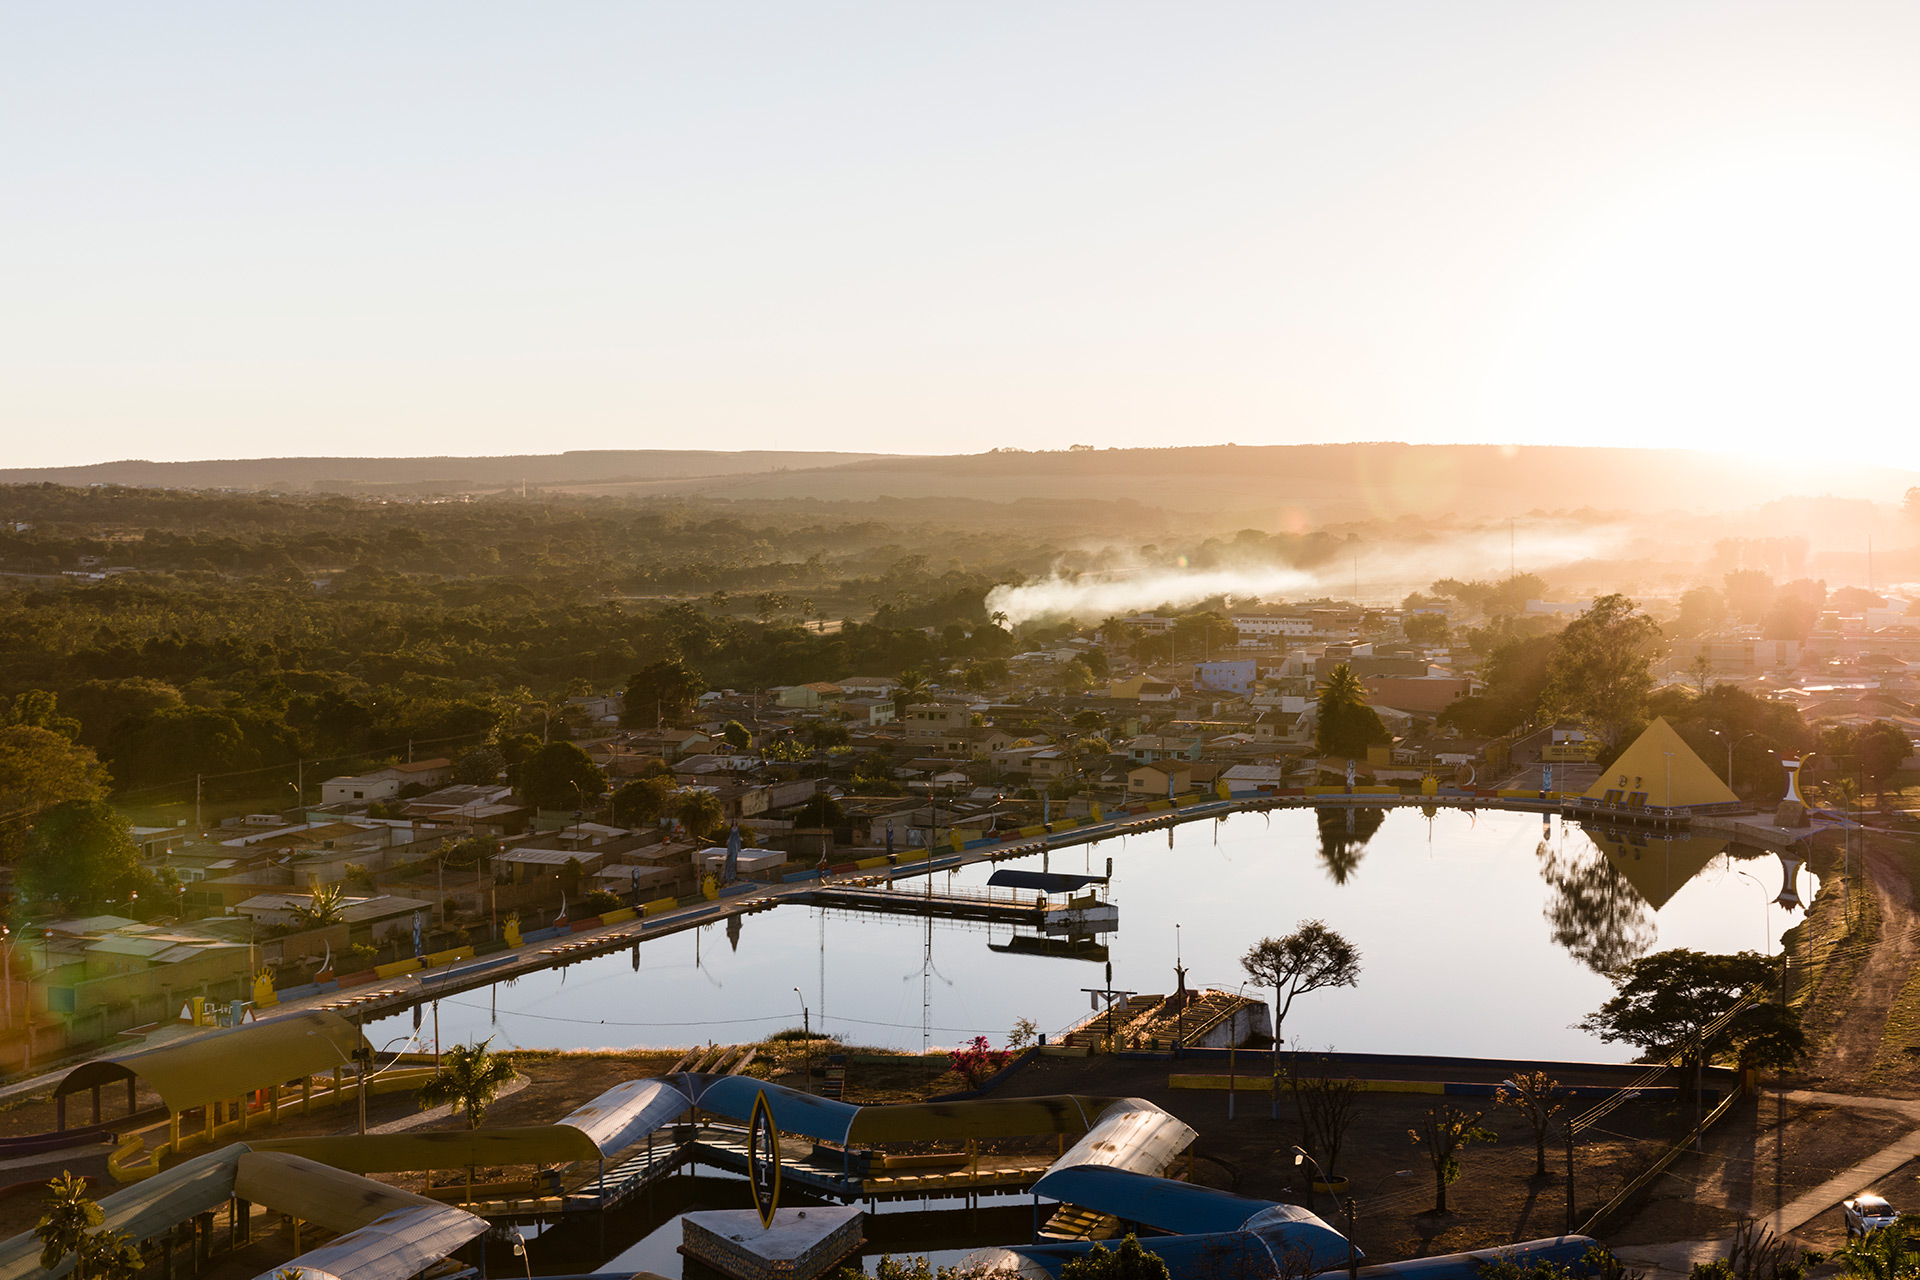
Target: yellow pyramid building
column 1660, row 771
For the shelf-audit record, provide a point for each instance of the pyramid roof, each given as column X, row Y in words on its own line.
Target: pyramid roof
column 1661, row 765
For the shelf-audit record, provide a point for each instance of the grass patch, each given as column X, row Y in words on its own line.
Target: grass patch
column 1828, row 956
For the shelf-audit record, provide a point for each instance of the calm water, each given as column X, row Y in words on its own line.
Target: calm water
column 1480, row 934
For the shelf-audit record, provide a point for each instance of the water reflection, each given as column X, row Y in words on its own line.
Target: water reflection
column 1605, row 897
column 1343, row 838
column 1594, row 910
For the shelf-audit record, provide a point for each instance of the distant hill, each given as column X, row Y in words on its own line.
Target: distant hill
column 632, row 466
column 1318, row 483
column 1280, row 484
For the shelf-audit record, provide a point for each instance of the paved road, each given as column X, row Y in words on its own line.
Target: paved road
column 1677, row 1258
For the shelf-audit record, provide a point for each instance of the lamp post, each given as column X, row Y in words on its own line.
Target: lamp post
column 1730, row 740
column 1300, row 1157
column 1766, row 943
column 1233, row 1047
column 6, row 968
column 806, row 1031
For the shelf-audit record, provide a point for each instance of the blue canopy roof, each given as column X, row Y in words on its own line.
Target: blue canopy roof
column 1179, row 1208
column 1044, row 881
column 793, row 1112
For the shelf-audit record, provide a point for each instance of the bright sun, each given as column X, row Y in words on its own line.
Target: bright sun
column 1767, row 303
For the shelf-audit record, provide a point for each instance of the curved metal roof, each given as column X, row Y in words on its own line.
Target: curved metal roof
column 218, row 1065
column 1179, row 1208
column 627, row 1113
column 1131, row 1134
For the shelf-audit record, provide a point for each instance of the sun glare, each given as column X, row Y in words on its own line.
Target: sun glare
column 1762, row 302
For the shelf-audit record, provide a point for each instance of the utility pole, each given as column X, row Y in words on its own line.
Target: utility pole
column 197, row 825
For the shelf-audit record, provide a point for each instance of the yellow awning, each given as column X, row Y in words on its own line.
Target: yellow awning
column 977, row 1118
column 226, row 1064
column 439, row 1149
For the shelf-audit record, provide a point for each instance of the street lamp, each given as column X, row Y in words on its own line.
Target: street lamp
column 364, row 1056
column 1766, row 943
column 1300, row 1157
column 1730, row 741
column 806, row 1031
column 520, row 1252
column 6, row 967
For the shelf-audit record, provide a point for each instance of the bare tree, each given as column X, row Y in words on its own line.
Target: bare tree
column 1325, row 1107
column 1308, row 959
column 1532, row 1096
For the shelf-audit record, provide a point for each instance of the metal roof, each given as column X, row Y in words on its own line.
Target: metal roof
column 225, row 1064
column 793, row 1112
column 143, row 1210
column 397, row 1245
column 1180, row 1208
column 980, row 1118
column 1045, row 881
column 439, row 1148
column 1131, row 1134
column 627, row 1113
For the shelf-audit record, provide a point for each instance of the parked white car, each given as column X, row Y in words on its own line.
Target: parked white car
column 1866, row 1215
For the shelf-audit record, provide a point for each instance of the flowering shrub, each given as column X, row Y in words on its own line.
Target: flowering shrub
column 977, row 1060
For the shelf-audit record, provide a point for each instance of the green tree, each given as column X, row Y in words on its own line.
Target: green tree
column 1347, row 725
column 79, row 852
column 735, row 735
column 1128, row 1261
column 700, row 813
column 1444, row 1132
column 1311, row 958
column 326, row 905
column 1426, row 628
column 642, row 802
column 40, row 710
column 470, row 1077
column 912, row 688
column 1749, row 593
column 1600, row 672
column 1534, row 1095
column 1663, row 1002
column 1891, row 1253
column 661, row 693
column 560, row 776
column 479, row 766
column 38, row 769
column 820, row 810
column 1701, row 610
column 69, row 1215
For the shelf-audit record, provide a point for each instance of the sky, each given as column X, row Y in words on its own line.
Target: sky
column 356, row 229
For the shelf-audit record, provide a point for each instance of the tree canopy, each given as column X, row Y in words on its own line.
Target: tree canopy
column 560, row 776
column 81, row 852
column 1600, row 670
column 1347, row 726
column 1663, row 1001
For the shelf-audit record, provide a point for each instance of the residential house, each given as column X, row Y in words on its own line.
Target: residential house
column 1143, row 688
column 926, row 721
column 1229, row 675
column 385, row 784
column 1149, row 747
column 811, row 696
column 872, row 712
column 1150, row 781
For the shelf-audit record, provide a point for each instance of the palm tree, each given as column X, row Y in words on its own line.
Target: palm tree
column 699, row 812
column 470, row 1076
column 912, row 687
column 326, row 905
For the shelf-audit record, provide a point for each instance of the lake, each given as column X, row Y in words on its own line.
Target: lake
column 1480, row 934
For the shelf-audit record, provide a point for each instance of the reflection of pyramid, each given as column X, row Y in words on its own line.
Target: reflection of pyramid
column 1656, row 866
column 1660, row 771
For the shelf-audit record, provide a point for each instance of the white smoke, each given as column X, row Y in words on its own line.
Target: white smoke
column 1373, row 572
column 1091, row 599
